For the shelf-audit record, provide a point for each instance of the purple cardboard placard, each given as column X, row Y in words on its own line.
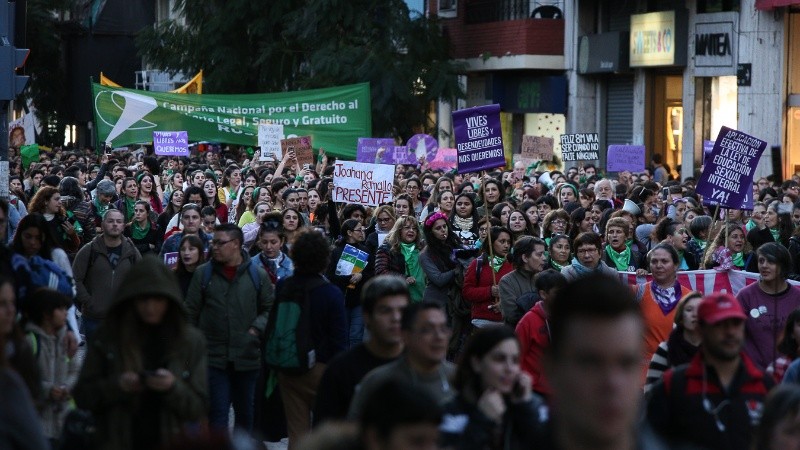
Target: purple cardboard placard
column 446, row 159
column 625, row 157
column 171, row 143
column 423, row 144
column 727, row 178
column 708, row 146
column 479, row 138
column 368, row 148
column 400, row 155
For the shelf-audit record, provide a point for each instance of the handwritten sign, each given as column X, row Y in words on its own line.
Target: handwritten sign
column 727, row 176
column 302, row 149
column 625, row 157
column 362, row 183
column 269, row 139
column 171, row 143
column 171, row 260
column 537, row 148
column 479, row 138
column 580, row 147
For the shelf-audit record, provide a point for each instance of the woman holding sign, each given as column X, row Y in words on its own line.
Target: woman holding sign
column 347, row 278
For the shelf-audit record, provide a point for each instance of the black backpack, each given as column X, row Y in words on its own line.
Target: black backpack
column 289, row 347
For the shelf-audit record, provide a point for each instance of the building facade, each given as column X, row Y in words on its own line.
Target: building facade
column 666, row 74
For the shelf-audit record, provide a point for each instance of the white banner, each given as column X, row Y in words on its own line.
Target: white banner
column 362, row 183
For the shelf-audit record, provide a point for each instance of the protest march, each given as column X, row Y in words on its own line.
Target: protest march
column 264, row 271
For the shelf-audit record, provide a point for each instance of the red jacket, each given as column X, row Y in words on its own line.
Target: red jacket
column 533, row 333
column 478, row 292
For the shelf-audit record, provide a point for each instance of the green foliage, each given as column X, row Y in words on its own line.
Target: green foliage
column 248, row 47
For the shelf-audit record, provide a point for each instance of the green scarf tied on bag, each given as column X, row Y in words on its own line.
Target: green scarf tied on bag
column 413, row 270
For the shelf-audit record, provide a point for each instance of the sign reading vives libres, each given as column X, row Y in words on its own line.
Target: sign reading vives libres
column 334, row 117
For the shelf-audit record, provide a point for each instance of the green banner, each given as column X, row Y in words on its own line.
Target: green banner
column 334, row 117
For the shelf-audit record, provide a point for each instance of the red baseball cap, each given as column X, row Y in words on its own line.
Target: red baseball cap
column 718, row 307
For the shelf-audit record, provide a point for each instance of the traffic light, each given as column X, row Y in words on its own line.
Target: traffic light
column 11, row 58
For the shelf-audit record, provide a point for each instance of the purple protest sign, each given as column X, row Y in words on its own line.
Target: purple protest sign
column 423, row 145
column 446, row 159
column 625, row 157
column 727, row 177
column 479, row 138
column 171, row 259
column 401, row 155
column 367, row 150
column 171, row 143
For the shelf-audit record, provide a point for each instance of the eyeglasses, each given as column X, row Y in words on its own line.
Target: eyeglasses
column 218, row 243
column 358, row 230
column 559, row 222
column 586, row 251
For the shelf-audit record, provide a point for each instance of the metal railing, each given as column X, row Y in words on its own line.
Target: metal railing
column 484, row 11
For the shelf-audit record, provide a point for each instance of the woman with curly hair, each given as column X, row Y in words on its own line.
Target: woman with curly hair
column 128, row 197
column 47, row 202
column 399, row 255
column 555, row 222
column 730, row 250
column 490, row 193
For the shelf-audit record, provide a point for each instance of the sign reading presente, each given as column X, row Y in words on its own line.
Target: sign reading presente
column 727, row 177
column 653, row 39
column 479, row 138
column 362, row 183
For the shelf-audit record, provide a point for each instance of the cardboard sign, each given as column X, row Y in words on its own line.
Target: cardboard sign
column 352, row 261
column 479, row 138
column 171, row 143
column 446, row 159
column 402, row 155
column 625, row 157
column 171, row 260
column 362, row 183
column 727, row 177
column 302, row 149
column 580, row 147
column 368, row 149
column 422, row 145
column 269, row 139
column 537, row 148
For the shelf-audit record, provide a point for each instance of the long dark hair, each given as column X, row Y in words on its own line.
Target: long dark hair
column 195, row 242
column 442, row 250
column 788, row 345
column 35, row 220
column 483, row 340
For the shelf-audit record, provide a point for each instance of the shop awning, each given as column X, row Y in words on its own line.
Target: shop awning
column 771, row 4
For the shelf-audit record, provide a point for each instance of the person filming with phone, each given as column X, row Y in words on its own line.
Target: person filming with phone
column 495, row 406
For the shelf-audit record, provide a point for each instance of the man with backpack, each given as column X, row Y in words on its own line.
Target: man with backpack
column 716, row 400
column 100, row 267
column 229, row 300
column 307, row 329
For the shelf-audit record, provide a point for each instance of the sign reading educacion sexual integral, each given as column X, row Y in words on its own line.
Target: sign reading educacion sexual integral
column 479, row 138
column 171, row 143
column 580, row 147
column 362, row 183
column 727, row 177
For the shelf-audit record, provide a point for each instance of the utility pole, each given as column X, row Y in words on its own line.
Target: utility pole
column 11, row 84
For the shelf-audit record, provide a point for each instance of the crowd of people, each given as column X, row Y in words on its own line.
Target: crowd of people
column 148, row 296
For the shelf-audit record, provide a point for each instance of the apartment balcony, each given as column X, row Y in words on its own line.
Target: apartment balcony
column 507, row 34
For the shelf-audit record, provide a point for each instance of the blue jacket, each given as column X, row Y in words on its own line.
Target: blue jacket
column 285, row 266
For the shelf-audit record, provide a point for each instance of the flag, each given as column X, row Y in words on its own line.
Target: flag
column 30, row 155
column 705, row 281
column 106, row 82
column 193, row 86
